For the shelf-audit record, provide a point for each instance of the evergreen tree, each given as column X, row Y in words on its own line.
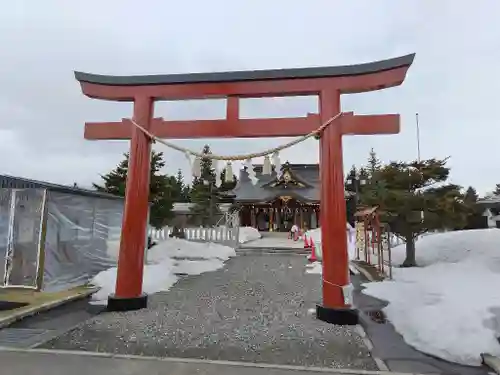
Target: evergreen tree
column 470, row 196
column 180, row 189
column 204, row 193
column 373, row 163
column 350, row 180
column 227, row 186
column 475, row 219
column 351, row 186
column 160, row 189
column 363, row 180
column 497, row 190
column 415, row 198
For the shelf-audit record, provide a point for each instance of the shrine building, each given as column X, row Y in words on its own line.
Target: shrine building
column 275, row 202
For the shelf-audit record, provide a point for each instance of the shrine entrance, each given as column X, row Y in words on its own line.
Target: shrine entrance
column 280, row 214
column 327, row 83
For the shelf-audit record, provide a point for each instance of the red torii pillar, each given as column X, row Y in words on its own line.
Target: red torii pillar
column 327, row 82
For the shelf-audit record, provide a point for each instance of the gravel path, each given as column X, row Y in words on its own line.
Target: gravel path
column 255, row 309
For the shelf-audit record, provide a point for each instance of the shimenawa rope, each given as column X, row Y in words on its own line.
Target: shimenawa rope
column 238, row 157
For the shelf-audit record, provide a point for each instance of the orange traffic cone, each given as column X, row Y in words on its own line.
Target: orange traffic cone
column 313, row 258
column 307, row 243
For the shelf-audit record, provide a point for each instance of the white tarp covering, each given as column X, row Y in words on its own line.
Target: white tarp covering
column 78, row 229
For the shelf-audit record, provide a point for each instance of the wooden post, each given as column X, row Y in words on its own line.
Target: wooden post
column 128, row 294
column 333, row 218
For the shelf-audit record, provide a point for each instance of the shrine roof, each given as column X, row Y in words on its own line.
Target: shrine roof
column 264, row 191
column 247, row 191
column 248, row 75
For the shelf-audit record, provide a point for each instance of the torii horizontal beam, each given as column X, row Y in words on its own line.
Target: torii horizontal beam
column 348, row 79
column 245, row 128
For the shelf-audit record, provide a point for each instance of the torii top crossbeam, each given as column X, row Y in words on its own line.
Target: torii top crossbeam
column 244, row 84
column 328, row 83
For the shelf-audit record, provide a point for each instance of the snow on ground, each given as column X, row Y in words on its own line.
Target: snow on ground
column 314, row 268
column 448, row 307
column 247, row 234
column 315, row 235
column 164, row 262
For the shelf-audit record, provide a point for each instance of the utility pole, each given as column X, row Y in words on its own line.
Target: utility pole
column 211, row 205
column 418, row 137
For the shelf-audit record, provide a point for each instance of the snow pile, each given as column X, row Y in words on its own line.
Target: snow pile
column 450, row 306
column 164, row 262
column 315, row 235
column 315, row 268
column 247, row 234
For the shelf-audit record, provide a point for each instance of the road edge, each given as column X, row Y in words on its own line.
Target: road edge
column 46, row 306
column 204, row 361
column 382, row 366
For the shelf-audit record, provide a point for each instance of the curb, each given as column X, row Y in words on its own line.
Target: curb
column 491, row 361
column 366, row 340
column 44, row 307
column 234, row 364
column 382, row 366
column 362, row 271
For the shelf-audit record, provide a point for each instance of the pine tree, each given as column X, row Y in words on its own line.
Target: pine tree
column 471, row 196
column 373, row 163
column 497, row 190
column 116, row 180
column 180, row 189
column 414, row 198
column 227, row 186
column 351, row 186
column 475, row 219
column 351, row 180
column 160, row 190
column 204, row 193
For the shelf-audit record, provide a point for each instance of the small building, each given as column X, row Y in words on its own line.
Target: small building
column 491, row 210
column 184, row 216
column 276, row 202
column 54, row 237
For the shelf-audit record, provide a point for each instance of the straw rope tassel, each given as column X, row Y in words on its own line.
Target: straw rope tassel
column 266, row 168
column 277, row 163
column 196, row 168
column 229, row 177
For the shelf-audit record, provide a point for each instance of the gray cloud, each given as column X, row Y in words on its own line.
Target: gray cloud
column 452, row 84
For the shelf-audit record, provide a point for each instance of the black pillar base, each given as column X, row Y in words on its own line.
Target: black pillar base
column 347, row 317
column 128, row 303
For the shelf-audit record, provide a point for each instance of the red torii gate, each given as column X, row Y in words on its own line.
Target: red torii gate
column 326, row 82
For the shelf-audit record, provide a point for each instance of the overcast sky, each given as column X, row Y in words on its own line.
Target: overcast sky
column 453, row 83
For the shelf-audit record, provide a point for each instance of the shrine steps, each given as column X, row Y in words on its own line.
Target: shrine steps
column 243, row 250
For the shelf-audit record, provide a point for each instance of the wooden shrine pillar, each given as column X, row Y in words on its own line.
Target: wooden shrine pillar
column 128, row 292
column 333, row 236
column 253, row 219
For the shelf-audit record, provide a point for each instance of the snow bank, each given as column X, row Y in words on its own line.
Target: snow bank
column 450, row 306
column 164, row 262
column 315, row 235
column 247, row 234
column 314, row 268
